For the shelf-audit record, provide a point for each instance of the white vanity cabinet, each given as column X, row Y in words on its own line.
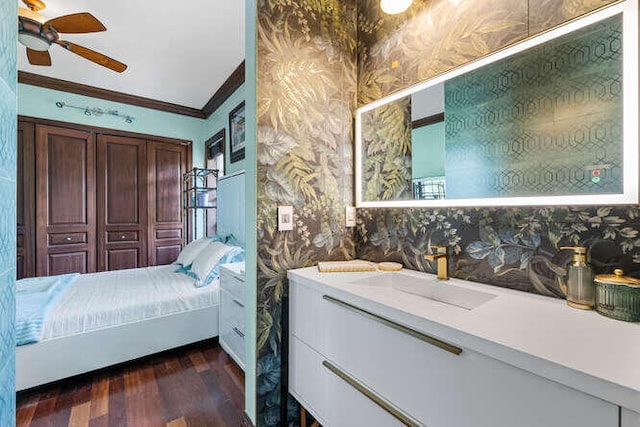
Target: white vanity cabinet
column 337, row 348
column 629, row 418
column 232, row 329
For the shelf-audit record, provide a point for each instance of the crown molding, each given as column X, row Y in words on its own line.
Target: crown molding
column 227, row 89
column 232, row 83
column 109, row 95
column 426, row 121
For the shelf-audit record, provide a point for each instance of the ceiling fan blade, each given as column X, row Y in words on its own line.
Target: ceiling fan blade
column 76, row 23
column 38, row 57
column 93, row 56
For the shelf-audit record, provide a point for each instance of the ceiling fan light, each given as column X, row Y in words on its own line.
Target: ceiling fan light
column 33, row 42
column 393, row 7
column 23, row 12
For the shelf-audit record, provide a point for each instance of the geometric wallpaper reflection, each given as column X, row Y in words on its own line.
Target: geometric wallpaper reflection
column 552, row 113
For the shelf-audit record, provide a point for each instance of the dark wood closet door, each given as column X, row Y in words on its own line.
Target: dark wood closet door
column 26, row 223
column 65, row 201
column 122, row 203
column 166, row 165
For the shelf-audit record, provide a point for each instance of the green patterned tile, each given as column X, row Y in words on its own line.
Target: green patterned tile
column 7, row 393
column 8, row 310
column 8, row 42
column 8, row 132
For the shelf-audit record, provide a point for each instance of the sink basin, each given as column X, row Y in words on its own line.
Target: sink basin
column 426, row 287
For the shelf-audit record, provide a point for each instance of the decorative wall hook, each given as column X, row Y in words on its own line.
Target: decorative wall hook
column 97, row 111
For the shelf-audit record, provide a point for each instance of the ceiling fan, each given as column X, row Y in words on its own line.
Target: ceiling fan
column 37, row 35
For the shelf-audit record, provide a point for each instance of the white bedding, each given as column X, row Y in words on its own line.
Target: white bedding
column 101, row 300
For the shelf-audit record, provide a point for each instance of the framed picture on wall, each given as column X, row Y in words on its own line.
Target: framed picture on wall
column 236, row 133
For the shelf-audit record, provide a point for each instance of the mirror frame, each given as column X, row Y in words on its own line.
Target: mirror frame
column 630, row 194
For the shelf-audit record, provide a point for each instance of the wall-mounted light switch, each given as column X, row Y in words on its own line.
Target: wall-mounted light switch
column 350, row 216
column 285, row 218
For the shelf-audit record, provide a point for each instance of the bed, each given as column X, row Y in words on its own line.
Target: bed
column 102, row 319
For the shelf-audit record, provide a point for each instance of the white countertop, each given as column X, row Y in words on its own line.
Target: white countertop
column 580, row 349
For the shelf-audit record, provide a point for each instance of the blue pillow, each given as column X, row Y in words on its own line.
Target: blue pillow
column 228, row 239
column 236, row 254
column 186, row 269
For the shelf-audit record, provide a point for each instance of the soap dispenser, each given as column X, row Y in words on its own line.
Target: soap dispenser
column 581, row 291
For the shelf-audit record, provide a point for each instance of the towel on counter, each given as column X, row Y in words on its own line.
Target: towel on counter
column 346, row 266
column 35, row 298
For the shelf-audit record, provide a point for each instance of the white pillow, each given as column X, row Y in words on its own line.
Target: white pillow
column 192, row 250
column 207, row 260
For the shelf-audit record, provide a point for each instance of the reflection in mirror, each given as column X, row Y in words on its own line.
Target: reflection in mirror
column 546, row 121
column 428, row 177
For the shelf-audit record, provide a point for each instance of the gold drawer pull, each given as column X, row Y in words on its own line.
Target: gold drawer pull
column 389, row 407
column 390, row 323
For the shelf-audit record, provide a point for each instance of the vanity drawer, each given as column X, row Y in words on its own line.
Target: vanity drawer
column 233, row 283
column 122, row 236
column 67, row 238
column 436, row 386
column 329, row 398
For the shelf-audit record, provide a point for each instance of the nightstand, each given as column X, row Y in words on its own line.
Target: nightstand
column 232, row 311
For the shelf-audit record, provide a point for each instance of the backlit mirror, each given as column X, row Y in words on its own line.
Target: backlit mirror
column 548, row 121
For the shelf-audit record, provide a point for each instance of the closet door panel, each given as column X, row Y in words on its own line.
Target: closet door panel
column 66, row 187
column 166, row 165
column 65, row 200
column 67, row 262
column 25, row 212
column 122, row 203
column 118, row 259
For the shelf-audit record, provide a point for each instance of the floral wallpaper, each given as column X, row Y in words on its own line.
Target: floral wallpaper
column 306, row 91
column 386, row 152
column 435, row 36
column 517, row 248
column 431, row 37
column 550, row 13
column 318, row 60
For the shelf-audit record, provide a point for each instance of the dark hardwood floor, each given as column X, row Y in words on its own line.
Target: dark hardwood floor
column 198, row 385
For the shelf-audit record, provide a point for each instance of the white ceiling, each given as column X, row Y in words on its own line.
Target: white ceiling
column 176, row 51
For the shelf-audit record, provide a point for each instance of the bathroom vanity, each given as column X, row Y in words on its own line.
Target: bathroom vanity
column 384, row 349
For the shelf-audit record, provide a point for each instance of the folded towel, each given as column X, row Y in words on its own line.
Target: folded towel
column 35, row 298
column 346, row 266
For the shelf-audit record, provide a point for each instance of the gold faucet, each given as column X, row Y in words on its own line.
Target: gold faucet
column 442, row 255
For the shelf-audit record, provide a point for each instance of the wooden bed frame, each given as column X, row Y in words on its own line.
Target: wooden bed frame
column 51, row 360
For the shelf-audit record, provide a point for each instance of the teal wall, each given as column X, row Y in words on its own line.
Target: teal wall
column 427, row 151
column 41, row 102
column 251, row 197
column 8, row 83
column 220, row 119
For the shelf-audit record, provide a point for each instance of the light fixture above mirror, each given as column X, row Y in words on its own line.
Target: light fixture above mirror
column 393, row 7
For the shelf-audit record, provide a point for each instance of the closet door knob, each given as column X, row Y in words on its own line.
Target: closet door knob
column 123, row 236
column 68, row 239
